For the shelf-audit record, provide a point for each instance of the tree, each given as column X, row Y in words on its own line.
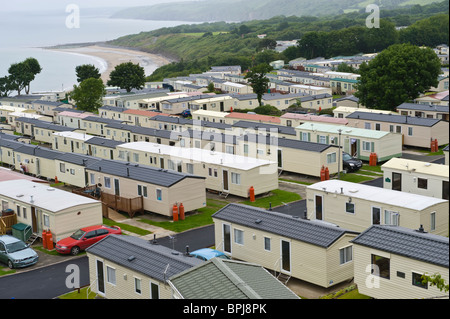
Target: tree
column 88, row 94
column 5, row 86
column 22, row 73
column 87, row 71
column 258, row 80
column 397, row 74
column 127, row 76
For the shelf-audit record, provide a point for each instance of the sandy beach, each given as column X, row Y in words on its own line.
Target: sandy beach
column 110, row 57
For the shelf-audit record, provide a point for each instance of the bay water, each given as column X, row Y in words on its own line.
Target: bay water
column 26, row 34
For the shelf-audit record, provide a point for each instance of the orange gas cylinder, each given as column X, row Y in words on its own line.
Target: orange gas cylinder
column 252, row 194
column 49, row 240
column 433, row 146
column 436, row 145
column 322, row 173
column 327, row 173
column 181, row 210
column 374, row 160
column 44, row 239
column 175, row 212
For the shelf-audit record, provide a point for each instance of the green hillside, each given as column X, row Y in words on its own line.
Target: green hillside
column 246, row 10
column 197, row 47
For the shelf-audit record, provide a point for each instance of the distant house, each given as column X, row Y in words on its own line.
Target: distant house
column 48, row 208
column 390, row 260
column 357, row 206
column 232, row 69
column 343, row 86
column 129, row 267
column 416, row 131
column 312, row 251
column 228, row 279
column 416, row 177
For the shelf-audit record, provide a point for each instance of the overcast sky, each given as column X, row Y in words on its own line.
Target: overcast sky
column 46, row 5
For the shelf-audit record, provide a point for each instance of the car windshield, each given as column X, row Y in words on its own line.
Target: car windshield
column 78, row 234
column 346, row 157
column 13, row 247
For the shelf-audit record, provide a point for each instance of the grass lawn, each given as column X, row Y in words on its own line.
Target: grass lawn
column 354, row 294
column 6, row 272
column 201, row 218
column 372, row 168
column 355, row 178
column 77, row 295
column 126, row 227
column 292, row 181
column 278, row 197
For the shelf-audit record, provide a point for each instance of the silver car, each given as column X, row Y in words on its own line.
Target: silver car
column 15, row 253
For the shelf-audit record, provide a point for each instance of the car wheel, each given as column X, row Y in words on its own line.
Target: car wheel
column 10, row 264
column 75, row 251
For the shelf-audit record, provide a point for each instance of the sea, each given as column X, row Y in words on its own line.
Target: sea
column 28, row 34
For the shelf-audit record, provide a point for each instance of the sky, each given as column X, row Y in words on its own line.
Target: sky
column 47, row 5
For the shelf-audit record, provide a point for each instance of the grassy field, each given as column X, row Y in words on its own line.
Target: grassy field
column 276, row 198
column 201, row 217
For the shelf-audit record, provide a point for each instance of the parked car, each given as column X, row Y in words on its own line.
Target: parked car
column 208, row 253
column 84, row 238
column 186, row 113
column 350, row 164
column 15, row 253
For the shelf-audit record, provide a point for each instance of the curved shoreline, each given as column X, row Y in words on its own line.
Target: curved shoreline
column 113, row 56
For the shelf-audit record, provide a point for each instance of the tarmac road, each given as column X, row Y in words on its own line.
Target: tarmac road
column 42, row 283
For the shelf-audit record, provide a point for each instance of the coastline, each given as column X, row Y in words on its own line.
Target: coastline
column 109, row 57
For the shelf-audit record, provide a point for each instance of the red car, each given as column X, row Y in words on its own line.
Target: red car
column 85, row 237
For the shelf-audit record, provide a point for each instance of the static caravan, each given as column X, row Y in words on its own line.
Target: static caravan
column 71, row 168
column 309, row 89
column 358, row 206
column 294, row 119
column 210, row 116
column 72, row 119
column 399, row 257
column 7, row 149
column 357, row 142
column 71, row 142
column 36, row 160
column 235, row 117
column 95, row 125
column 44, row 132
column 344, row 111
column 225, row 173
column 48, row 208
column 424, row 110
column 129, row 267
column 313, row 251
column 228, row 279
column 246, row 127
column 140, row 117
column 416, row 131
column 101, row 147
column 416, row 177
column 301, row 157
column 159, row 189
column 219, row 103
